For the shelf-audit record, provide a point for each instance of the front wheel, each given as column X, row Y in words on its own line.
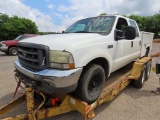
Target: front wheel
column 91, row 83
column 13, row 51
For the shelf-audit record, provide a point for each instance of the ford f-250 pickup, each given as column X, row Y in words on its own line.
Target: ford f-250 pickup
column 82, row 57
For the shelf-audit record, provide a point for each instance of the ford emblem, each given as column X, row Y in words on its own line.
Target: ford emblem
column 24, row 54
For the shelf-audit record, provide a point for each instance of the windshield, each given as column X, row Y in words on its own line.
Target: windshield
column 19, row 37
column 99, row 24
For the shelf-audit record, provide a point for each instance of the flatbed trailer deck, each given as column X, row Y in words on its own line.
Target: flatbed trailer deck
column 114, row 84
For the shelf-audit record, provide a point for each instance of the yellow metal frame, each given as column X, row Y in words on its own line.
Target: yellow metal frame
column 137, row 68
column 70, row 103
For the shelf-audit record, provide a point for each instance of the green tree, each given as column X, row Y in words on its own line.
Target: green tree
column 148, row 23
column 14, row 26
column 141, row 21
column 103, row 14
column 3, row 19
column 153, row 24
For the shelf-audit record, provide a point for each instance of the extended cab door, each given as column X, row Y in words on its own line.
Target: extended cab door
column 137, row 41
column 127, row 50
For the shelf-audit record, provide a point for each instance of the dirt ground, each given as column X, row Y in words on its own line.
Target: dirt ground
column 130, row 104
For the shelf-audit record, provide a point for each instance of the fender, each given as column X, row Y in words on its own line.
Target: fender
column 91, row 55
column 148, row 45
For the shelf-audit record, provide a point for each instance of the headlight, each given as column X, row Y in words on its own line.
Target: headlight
column 62, row 60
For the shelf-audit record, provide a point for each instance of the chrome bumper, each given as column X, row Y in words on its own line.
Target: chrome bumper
column 55, row 78
column 3, row 48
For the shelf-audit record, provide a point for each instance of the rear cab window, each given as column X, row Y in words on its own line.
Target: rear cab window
column 133, row 23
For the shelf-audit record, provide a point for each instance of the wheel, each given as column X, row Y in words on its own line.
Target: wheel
column 13, row 51
column 91, row 83
column 148, row 70
column 140, row 82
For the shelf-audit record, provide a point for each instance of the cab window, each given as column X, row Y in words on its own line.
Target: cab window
column 134, row 25
column 121, row 24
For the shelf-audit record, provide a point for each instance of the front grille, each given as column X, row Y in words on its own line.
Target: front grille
column 33, row 56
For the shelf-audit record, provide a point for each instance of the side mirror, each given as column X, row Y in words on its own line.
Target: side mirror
column 130, row 33
column 119, row 34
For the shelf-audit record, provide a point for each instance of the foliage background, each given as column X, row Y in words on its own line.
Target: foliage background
column 11, row 27
column 148, row 23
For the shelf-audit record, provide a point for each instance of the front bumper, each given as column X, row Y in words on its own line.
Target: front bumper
column 3, row 48
column 50, row 80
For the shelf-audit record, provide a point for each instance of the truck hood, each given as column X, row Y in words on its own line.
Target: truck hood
column 65, row 41
column 8, row 42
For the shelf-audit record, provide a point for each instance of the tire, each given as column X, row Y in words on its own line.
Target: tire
column 148, row 70
column 13, row 51
column 91, row 83
column 141, row 80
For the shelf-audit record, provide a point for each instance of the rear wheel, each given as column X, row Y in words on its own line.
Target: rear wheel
column 13, row 51
column 141, row 80
column 148, row 70
column 91, row 83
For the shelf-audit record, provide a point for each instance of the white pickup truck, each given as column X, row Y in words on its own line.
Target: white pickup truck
column 82, row 57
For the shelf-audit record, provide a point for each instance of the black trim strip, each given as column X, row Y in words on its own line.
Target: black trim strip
column 110, row 46
column 33, row 60
column 131, row 43
column 34, row 53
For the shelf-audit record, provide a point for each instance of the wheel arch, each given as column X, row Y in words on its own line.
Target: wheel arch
column 94, row 57
column 102, row 62
column 11, row 46
column 147, row 50
column 148, row 47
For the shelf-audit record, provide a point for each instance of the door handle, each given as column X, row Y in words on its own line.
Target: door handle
column 139, row 43
column 131, row 43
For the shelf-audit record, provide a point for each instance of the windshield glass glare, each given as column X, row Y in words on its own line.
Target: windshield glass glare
column 92, row 25
column 19, row 37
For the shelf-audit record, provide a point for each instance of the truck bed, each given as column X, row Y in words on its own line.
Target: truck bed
column 146, row 41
